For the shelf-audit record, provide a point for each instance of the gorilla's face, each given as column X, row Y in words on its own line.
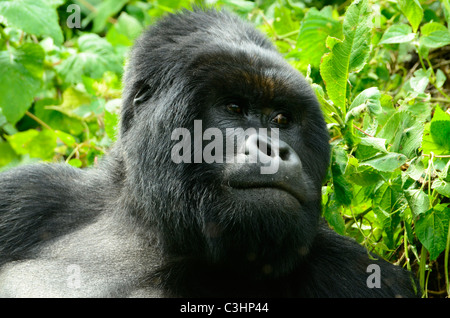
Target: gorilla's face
column 225, row 208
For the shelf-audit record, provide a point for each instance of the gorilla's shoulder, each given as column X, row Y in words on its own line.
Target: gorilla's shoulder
column 39, row 202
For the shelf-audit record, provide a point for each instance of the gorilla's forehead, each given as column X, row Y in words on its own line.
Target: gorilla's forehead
column 246, row 69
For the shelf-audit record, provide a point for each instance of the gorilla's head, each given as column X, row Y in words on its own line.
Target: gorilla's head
column 211, row 68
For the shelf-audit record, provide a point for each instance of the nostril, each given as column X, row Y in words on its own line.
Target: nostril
column 264, row 147
column 284, row 154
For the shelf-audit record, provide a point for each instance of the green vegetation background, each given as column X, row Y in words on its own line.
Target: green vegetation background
column 379, row 69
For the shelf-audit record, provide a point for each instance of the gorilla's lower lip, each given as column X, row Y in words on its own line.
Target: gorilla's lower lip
column 256, row 186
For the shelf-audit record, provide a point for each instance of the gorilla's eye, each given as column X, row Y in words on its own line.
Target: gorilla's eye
column 235, row 108
column 281, row 119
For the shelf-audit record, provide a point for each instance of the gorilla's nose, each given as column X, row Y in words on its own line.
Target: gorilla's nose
column 267, row 162
column 271, row 154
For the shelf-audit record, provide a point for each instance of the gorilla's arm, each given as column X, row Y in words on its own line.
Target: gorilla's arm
column 339, row 267
column 40, row 202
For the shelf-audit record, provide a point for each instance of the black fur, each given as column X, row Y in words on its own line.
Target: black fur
column 205, row 237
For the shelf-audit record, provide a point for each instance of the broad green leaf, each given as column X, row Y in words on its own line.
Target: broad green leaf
column 413, row 12
column 445, row 173
column 369, row 99
column 436, row 39
column 379, row 144
column 386, row 162
column 7, row 153
column 420, row 80
column 348, row 55
column 440, row 78
column 404, row 132
column 33, row 17
column 434, row 35
column 67, row 139
column 431, row 27
column 129, row 26
column 439, row 115
column 387, row 109
column 342, row 188
column 398, row 33
column 105, row 10
column 37, row 144
column 440, row 128
column 21, row 70
column 429, row 145
column 333, row 216
column 446, row 9
column 283, row 21
column 75, row 163
column 96, row 57
column 431, row 230
column 442, row 187
column 327, row 108
column 418, row 201
column 365, row 176
column 387, row 201
column 314, row 29
column 419, row 109
column 416, row 169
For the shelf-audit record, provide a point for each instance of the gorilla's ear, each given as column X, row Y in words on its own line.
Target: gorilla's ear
column 129, row 112
column 142, row 95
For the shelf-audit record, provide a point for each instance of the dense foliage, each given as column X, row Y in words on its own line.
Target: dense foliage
column 379, row 69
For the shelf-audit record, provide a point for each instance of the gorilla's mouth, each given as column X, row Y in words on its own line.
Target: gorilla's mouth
column 296, row 193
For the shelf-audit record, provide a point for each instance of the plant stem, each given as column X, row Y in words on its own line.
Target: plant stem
column 38, row 120
column 447, row 248
column 423, row 262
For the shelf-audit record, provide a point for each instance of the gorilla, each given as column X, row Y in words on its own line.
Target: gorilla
column 155, row 219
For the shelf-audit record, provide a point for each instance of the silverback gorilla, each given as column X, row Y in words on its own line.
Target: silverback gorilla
column 144, row 224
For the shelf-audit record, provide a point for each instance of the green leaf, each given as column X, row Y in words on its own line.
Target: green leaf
column 129, row 26
column 446, row 9
column 33, row 17
column 97, row 56
column 440, row 115
column 369, row 99
column 440, row 78
column 314, row 29
column 342, row 188
column 431, row 230
column 37, row 144
column 378, row 144
column 440, row 128
column 420, row 80
column 429, row 145
column 404, row 132
column 105, row 10
column 413, row 12
column 112, row 111
column 418, row 201
column 441, row 187
column 387, row 201
column 7, row 153
column 333, row 216
column 348, row 55
column 365, row 176
column 327, row 108
column 75, row 163
column 386, row 162
column 21, row 69
column 398, row 33
column 434, row 35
